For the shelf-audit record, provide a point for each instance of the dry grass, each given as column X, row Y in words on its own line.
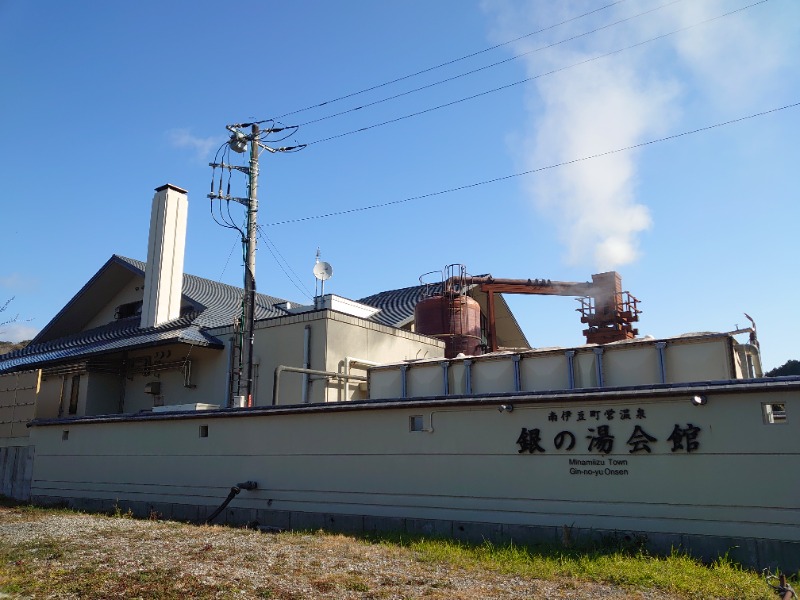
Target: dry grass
column 61, row 554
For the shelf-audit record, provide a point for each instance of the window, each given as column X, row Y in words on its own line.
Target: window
column 131, row 309
column 774, row 413
column 416, row 423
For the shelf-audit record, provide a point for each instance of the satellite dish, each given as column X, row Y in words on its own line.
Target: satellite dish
column 323, row 271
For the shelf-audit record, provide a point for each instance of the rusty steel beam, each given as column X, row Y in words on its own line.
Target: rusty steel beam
column 611, row 316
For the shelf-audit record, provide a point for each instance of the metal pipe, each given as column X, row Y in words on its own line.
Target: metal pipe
column 351, row 360
column 403, row 381
column 445, row 364
column 662, row 361
column 468, row 376
column 598, row 366
column 231, row 369
column 570, row 354
column 517, row 375
column 306, row 363
column 326, row 374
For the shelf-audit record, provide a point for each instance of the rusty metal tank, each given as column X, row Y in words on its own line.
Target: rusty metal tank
column 453, row 318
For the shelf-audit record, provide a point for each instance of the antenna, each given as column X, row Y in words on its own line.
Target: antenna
column 322, row 272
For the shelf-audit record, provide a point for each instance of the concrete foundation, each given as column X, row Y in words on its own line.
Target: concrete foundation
column 751, row 553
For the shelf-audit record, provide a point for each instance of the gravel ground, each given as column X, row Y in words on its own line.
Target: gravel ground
column 221, row 562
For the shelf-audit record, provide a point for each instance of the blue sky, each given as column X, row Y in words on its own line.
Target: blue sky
column 104, row 101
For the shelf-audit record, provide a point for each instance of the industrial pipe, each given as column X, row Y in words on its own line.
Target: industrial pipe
column 327, row 374
column 247, row 485
column 348, row 361
column 306, row 361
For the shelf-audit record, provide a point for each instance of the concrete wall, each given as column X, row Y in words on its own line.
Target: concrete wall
column 665, row 470
column 17, row 403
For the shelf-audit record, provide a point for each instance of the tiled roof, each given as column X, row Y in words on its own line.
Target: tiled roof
column 123, row 334
column 216, row 305
column 397, row 306
column 221, row 302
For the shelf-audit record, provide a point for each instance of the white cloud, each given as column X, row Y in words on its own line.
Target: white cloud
column 16, row 283
column 183, row 138
column 16, row 332
column 620, row 101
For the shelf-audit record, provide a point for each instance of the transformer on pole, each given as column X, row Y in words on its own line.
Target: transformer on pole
column 242, row 369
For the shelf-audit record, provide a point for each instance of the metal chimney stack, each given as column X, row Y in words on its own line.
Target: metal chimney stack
column 163, row 278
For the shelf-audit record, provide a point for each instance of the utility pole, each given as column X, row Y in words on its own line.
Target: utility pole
column 238, row 143
column 250, row 267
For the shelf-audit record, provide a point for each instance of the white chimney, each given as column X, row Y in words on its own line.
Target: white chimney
column 163, row 276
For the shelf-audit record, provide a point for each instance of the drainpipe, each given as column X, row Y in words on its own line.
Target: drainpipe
column 570, row 354
column 598, row 366
column 662, row 364
column 468, row 376
column 306, row 361
column 517, row 375
column 231, row 367
column 122, row 377
column 445, row 364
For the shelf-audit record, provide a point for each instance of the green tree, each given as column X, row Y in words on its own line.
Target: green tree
column 790, row 367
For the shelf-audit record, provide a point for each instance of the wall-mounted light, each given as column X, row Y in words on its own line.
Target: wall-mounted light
column 506, row 408
column 699, row 400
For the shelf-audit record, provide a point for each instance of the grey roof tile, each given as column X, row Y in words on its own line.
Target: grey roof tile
column 215, row 305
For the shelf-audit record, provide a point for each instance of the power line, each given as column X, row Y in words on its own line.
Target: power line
column 489, row 66
column 294, row 280
column 533, row 77
column 449, row 62
column 537, row 170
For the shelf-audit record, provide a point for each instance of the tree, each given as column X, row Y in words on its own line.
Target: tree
column 790, row 367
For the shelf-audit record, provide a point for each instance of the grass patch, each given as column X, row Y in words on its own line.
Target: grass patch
column 51, row 566
column 677, row 573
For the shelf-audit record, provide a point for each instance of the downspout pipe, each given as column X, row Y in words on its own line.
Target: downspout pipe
column 306, row 361
column 598, row 366
column 570, row 354
column 662, row 361
column 517, row 374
